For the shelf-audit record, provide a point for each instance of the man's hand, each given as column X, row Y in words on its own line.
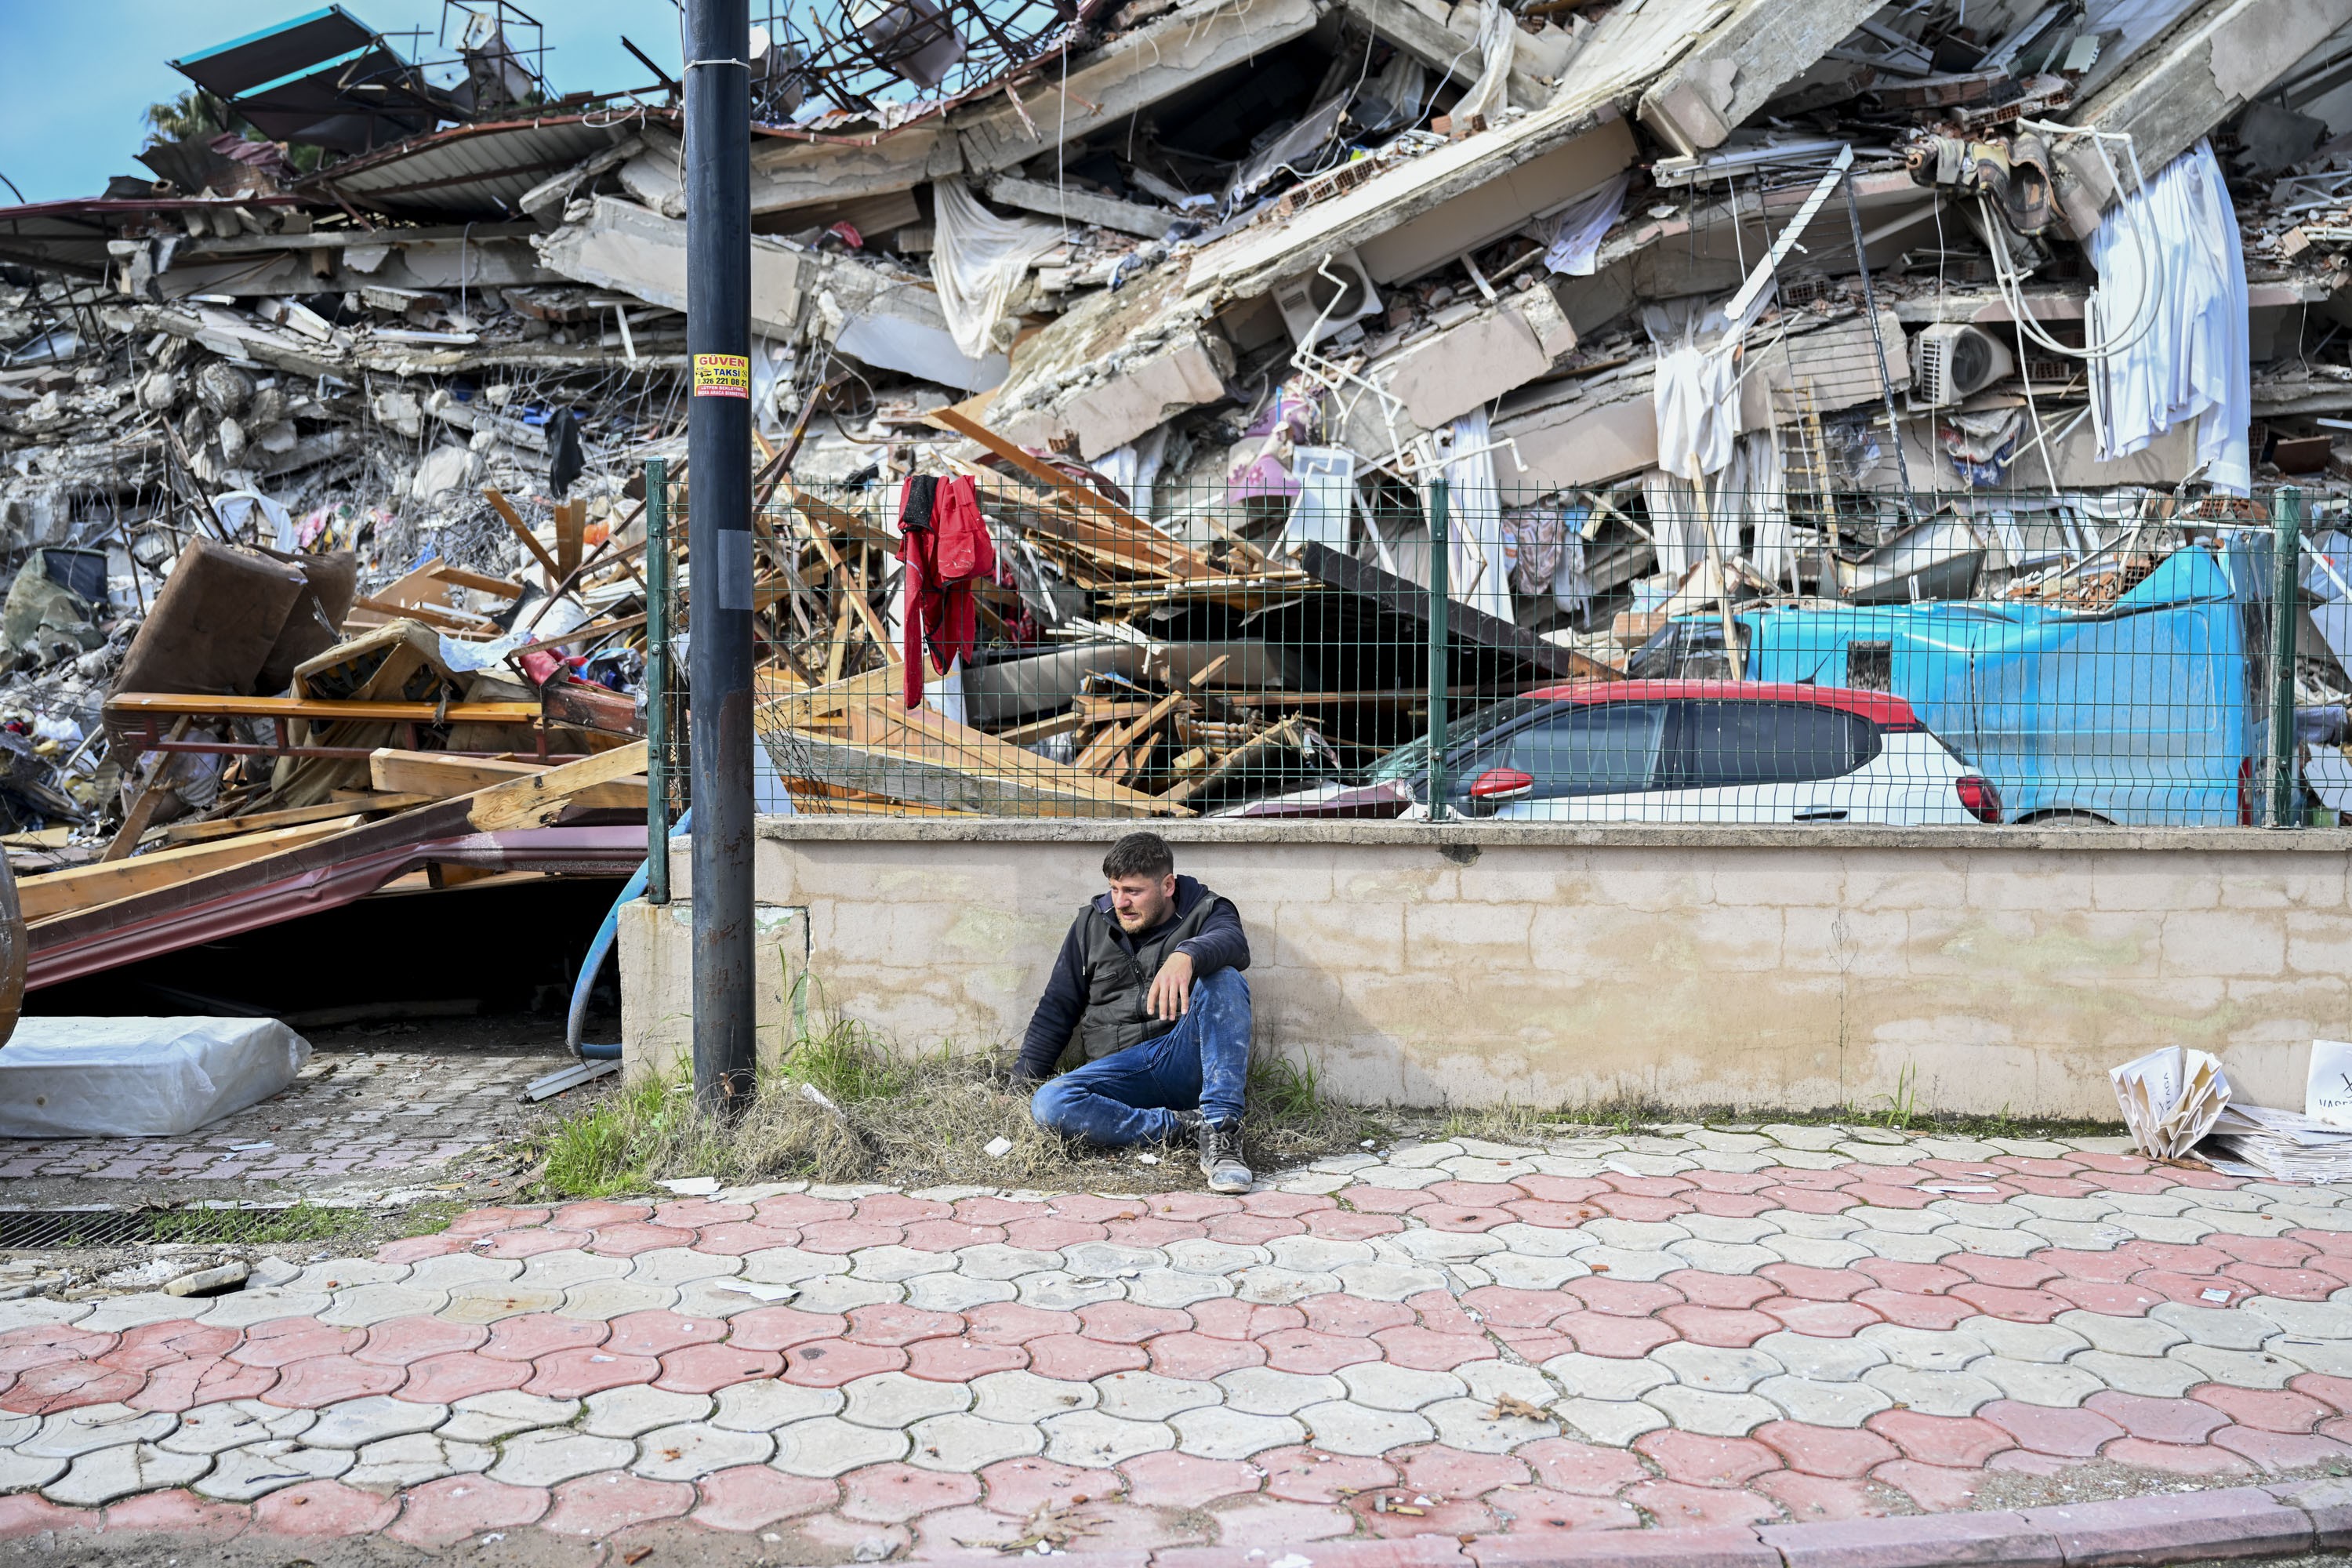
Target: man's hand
column 1171, row 988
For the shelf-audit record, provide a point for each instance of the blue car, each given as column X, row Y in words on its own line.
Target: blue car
column 2144, row 712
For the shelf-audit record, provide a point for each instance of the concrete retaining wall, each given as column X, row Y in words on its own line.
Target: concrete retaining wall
column 1973, row 970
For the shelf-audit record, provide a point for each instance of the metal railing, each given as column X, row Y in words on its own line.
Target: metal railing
column 1307, row 643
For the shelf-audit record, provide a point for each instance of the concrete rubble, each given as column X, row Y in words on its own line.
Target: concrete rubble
column 1193, row 289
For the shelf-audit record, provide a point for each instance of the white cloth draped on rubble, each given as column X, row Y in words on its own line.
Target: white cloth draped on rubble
column 1478, row 565
column 978, row 260
column 1499, row 32
column 1577, row 233
column 2176, row 239
column 1753, row 491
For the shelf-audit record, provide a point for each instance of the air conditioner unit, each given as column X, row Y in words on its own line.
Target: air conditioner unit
column 1950, row 360
column 1304, row 300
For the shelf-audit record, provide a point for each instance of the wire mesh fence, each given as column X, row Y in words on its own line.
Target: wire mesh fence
column 1036, row 640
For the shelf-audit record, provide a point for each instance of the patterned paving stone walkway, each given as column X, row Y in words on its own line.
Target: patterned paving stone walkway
column 1685, row 1328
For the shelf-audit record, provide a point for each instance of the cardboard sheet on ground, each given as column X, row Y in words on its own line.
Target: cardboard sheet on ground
column 2170, row 1099
column 149, row 1077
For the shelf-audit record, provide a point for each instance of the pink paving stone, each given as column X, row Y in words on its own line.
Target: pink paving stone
column 1552, row 1216
column 835, row 1539
column 1443, row 1471
column 2328, row 1243
column 1438, row 1518
column 2294, row 1284
column 707, row 1368
column 829, row 1364
column 1193, row 1205
column 1910, row 1310
column 1093, row 1209
column 1962, row 1440
column 968, row 1535
column 1200, row 1355
column 1294, row 1205
column 1305, row 1351
column 1153, row 1231
column 2157, row 1420
column 483, row 1221
column 1938, row 1488
column 845, row 1235
column 1051, row 1233
column 1538, row 1345
column 1880, row 1193
column 330, row 1380
column 46, row 1344
column 895, row 1493
column 2054, row 1186
column 2189, row 1288
column 1461, row 1195
column 400, row 1342
column 1732, row 1292
column 1816, row 1499
column 535, row 1335
column 2074, row 1264
column 597, row 1506
column 1430, row 1352
column 1808, row 1200
column 1705, row 1461
column 1078, row 1359
column 1341, row 1224
column 1114, row 1528
column 2202, row 1461
column 2012, row 1305
column 1170, row 1480
column 153, row 1345
column 1830, row 1451
column 596, row 1215
column 1439, row 1311
column 2265, row 1409
column 27, row 1514
column 2116, row 1300
column 1021, row 1487
column 576, row 1374
column 629, row 1240
column 184, row 1384
column 323, row 1508
column 1228, row 1317
column 1304, row 1474
column 1263, row 1522
column 1549, row 1189
column 739, row 1240
column 694, row 1214
column 1731, row 1206
column 283, row 1340
column 1253, row 1229
column 457, row 1507
column 2281, row 1450
column 1539, row 1511
column 417, row 1249
column 180, row 1514
column 1564, row 1464
column 1719, row 1326
column 1503, row 1307
column 942, row 1235
column 2076, row 1433
column 894, row 1323
column 1912, row 1279
column 532, row 1243
column 2268, row 1251
column 461, row 1374
column 2018, row 1273
column 1130, row 1323
column 2319, row 1386
column 656, row 1333
column 791, row 1210
column 1676, row 1505
column 961, row 1359
column 2181, row 1257
column 1623, row 1297
column 1599, row 1333
column 1389, row 1200
column 1011, row 1323
column 898, row 1208
column 1352, row 1316
column 748, row 1497
column 782, row 1328
column 2026, row 1462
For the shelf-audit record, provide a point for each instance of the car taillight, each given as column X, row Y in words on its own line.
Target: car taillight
column 1978, row 797
column 2245, row 792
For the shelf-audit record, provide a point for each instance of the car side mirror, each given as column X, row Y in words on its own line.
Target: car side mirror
column 1497, row 786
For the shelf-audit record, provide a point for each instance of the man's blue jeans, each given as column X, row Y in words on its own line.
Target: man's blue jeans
column 1132, row 1096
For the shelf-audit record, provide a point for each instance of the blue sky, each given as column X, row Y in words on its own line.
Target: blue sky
column 77, row 76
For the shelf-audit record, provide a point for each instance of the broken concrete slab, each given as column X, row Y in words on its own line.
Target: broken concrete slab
column 809, row 172
column 1116, row 367
column 1763, row 49
column 1465, row 364
column 1079, row 206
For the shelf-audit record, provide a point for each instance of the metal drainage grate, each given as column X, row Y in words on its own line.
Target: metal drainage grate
column 26, row 1229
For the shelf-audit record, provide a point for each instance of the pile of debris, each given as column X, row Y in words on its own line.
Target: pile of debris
column 1696, row 305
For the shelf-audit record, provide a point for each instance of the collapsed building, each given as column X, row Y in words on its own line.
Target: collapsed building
column 1694, row 303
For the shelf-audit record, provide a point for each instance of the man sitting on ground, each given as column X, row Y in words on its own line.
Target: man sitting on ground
column 1150, row 977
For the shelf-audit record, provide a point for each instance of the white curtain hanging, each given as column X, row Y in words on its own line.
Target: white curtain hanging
column 978, row 260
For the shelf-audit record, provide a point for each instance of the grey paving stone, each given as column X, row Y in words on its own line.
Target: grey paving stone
column 963, row 1444
column 256, row 1469
column 639, row 1408
column 103, row 1475
column 1149, row 1396
column 211, row 1428
column 69, row 1433
column 356, row 1423
column 1347, row 1426
column 894, row 1400
column 1213, row 1432
column 544, row 1458
column 1092, row 1440
column 827, row 1445
column 694, row 1450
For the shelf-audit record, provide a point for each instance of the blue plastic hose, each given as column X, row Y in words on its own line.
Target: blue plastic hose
column 594, row 964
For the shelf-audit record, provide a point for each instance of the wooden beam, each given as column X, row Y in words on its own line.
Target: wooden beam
column 1043, row 729
column 459, row 577
column 86, row 885
column 167, row 704
column 266, row 821
column 929, row 781
column 570, row 530
column 1090, row 504
column 436, row 775
column 1287, row 734
column 143, row 808
column 540, row 798
column 505, row 509
column 447, row 619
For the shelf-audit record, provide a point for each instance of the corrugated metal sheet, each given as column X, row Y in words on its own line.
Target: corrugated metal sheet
column 468, row 171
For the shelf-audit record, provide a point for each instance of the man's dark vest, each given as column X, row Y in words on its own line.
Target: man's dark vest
column 1119, row 985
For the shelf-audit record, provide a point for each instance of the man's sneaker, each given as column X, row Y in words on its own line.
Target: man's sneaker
column 1221, row 1158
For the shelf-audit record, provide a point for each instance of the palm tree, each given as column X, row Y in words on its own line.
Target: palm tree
column 195, row 112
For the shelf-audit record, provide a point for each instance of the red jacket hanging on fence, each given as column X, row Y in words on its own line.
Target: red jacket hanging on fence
column 945, row 548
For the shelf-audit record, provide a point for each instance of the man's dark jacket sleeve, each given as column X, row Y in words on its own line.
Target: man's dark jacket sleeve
column 1220, row 944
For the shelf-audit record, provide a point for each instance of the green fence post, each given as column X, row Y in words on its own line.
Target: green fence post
column 1440, row 672
column 2287, row 599
column 658, row 681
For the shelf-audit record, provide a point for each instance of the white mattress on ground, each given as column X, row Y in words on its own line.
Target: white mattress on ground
column 120, row 1078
